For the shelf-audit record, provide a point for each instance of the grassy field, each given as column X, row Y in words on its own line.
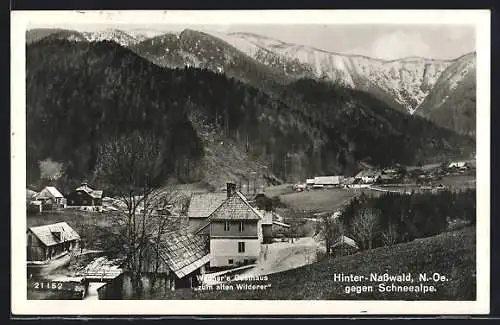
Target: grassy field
column 74, row 218
column 95, row 228
column 319, row 200
column 279, row 190
column 450, row 254
column 458, row 181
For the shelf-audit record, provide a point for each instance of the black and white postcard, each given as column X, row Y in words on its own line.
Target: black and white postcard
column 250, row 162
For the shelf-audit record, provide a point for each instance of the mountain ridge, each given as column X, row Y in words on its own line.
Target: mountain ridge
column 310, row 128
column 404, row 84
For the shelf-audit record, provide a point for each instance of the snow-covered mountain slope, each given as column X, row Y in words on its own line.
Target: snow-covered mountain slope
column 205, row 51
column 405, row 82
column 115, row 35
column 118, row 36
column 452, row 101
column 425, row 86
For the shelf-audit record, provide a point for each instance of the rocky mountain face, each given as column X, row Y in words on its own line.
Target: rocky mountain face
column 402, row 83
column 452, row 101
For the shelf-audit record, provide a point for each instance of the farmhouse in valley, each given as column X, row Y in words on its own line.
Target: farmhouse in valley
column 368, row 176
column 325, row 181
column 344, row 246
column 458, row 165
column 234, row 231
column 50, row 241
column 267, row 225
column 32, row 205
column 234, row 227
column 84, row 196
column 51, row 197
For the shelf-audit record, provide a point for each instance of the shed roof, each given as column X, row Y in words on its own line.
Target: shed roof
column 327, row 180
column 368, row 173
column 96, row 194
column 102, row 268
column 49, row 191
column 281, row 224
column 202, row 205
column 345, row 240
column 46, row 233
column 183, row 252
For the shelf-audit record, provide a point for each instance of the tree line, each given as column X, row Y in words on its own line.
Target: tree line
column 394, row 218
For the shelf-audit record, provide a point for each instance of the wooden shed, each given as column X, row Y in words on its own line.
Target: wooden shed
column 50, row 241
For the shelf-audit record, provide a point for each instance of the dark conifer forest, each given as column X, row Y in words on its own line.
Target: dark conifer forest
column 80, row 94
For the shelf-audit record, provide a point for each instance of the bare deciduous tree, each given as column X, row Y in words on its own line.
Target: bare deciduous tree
column 131, row 167
column 390, row 235
column 331, row 229
column 365, row 227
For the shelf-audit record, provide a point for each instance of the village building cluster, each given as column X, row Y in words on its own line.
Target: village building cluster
column 390, row 175
column 50, row 198
column 220, row 230
column 224, row 230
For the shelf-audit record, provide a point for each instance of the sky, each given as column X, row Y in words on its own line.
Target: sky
column 385, row 41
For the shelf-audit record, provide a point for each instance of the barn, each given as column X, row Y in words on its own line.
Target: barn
column 327, row 181
column 84, row 196
column 50, row 241
column 51, row 198
column 344, row 246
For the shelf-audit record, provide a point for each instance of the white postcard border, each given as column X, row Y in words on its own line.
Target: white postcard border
column 22, row 306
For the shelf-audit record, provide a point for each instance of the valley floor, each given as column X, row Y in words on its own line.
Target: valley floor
column 451, row 254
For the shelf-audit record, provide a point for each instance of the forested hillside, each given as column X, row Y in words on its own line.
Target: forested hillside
column 79, row 94
column 372, row 130
column 83, row 93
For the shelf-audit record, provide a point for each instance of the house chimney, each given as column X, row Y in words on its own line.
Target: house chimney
column 231, row 188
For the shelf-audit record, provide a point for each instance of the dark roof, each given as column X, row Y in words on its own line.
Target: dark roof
column 234, row 208
column 183, row 252
column 96, row 194
column 203, row 205
column 47, row 236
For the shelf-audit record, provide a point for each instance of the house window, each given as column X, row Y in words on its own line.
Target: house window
column 226, row 226
column 241, row 247
column 242, row 226
column 230, row 261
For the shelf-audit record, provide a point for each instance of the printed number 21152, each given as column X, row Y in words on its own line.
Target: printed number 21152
column 48, row 285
